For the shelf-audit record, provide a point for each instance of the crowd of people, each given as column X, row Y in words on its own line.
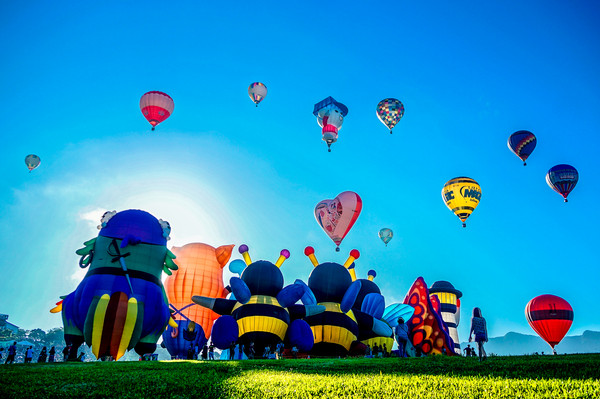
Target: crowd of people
column 477, row 333
column 44, row 356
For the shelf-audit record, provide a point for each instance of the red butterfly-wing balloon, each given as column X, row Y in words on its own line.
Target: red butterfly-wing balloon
column 427, row 330
column 550, row 317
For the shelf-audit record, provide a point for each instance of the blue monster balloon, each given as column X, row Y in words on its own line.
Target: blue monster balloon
column 121, row 302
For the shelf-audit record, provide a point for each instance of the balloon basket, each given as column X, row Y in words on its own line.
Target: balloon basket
column 337, row 249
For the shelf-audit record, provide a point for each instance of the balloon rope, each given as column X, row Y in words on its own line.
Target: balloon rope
column 178, row 311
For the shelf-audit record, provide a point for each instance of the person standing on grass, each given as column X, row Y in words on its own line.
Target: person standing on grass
column 42, row 357
column 29, row 354
column 211, row 351
column 232, row 350
column 401, row 333
column 66, row 353
column 51, row 355
column 12, row 351
column 479, row 328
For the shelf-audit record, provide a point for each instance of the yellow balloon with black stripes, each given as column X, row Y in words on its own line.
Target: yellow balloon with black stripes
column 461, row 195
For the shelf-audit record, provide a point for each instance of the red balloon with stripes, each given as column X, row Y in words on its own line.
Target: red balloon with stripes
column 550, row 317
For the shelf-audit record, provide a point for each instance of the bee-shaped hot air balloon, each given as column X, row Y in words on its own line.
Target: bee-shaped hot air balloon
column 461, row 195
column 121, row 302
column 334, row 286
column 263, row 308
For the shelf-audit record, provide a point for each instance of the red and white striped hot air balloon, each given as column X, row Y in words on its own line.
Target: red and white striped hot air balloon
column 156, row 107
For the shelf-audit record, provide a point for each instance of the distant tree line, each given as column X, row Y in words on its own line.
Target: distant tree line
column 37, row 336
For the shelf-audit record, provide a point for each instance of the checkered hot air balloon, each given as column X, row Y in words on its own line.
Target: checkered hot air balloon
column 390, row 111
column 156, row 107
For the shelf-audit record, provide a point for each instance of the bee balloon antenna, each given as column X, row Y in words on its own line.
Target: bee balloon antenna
column 244, row 251
column 349, row 264
column 283, row 255
column 310, row 252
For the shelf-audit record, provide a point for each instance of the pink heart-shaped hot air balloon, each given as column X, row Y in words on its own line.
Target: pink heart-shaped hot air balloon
column 337, row 216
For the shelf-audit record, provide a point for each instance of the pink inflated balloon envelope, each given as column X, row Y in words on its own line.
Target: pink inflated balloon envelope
column 337, row 216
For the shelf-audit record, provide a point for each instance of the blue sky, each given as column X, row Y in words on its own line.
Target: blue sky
column 222, row 171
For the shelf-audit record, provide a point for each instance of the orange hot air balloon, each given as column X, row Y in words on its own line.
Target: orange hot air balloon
column 200, row 273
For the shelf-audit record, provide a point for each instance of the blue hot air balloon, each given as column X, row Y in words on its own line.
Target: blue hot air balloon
column 562, row 179
column 522, row 143
column 179, row 340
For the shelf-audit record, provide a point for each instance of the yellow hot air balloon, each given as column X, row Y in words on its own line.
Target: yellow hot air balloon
column 461, row 196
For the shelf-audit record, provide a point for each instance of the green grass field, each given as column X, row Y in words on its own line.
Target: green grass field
column 566, row 376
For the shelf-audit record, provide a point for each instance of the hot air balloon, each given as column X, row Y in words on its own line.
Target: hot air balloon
column 237, row 266
column 257, row 92
column 550, row 317
column 337, row 216
column 562, row 179
column 389, row 112
column 386, row 235
column 263, row 308
column 178, row 340
column 200, row 273
column 461, row 196
column 427, row 330
column 120, row 304
column 335, row 287
column 156, row 107
column 522, row 143
column 32, row 161
column 330, row 116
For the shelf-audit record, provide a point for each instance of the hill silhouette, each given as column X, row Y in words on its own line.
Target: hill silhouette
column 522, row 344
